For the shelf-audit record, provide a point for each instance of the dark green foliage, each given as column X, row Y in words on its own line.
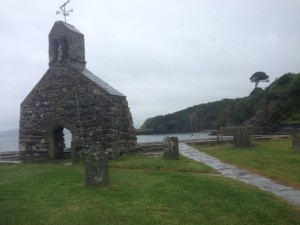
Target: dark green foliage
column 265, row 109
column 285, row 79
column 259, row 77
column 295, row 86
column 281, row 103
column 257, row 91
column 198, row 117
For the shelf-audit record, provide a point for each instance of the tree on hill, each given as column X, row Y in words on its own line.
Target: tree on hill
column 259, row 77
column 268, row 110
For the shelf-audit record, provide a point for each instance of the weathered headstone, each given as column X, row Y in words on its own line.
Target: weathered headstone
column 96, row 166
column 296, row 141
column 241, row 137
column 171, row 150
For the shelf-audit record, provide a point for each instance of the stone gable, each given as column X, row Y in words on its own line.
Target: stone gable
column 69, row 96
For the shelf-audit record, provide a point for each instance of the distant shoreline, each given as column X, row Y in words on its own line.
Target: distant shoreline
column 9, row 133
column 10, row 143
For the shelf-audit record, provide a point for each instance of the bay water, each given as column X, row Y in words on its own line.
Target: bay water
column 10, row 142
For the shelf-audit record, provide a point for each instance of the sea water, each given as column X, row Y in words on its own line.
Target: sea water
column 8, row 144
column 11, row 143
column 181, row 136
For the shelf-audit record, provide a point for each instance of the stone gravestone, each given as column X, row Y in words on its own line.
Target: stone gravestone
column 296, row 141
column 96, row 166
column 171, row 150
column 241, row 137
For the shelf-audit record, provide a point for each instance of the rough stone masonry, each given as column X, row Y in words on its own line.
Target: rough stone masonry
column 70, row 96
column 171, row 150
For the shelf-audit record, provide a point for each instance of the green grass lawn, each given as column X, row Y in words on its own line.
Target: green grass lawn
column 144, row 162
column 142, row 190
column 274, row 159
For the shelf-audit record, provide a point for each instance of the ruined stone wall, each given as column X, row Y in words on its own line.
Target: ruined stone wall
column 66, row 98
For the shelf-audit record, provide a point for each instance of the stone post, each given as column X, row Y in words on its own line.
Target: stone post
column 296, row 141
column 171, row 150
column 96, row 166
column 241, row 137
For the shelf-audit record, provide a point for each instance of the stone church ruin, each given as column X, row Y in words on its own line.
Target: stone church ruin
column 70, row 96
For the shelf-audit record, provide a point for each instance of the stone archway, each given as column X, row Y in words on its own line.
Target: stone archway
column 56, row 141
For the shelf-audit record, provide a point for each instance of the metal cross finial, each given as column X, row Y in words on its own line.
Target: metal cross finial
column 64, row 11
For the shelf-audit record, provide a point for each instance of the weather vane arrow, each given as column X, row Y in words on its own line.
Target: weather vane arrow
column 64, row 11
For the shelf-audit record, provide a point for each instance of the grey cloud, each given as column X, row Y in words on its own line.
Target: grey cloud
column 164, row 55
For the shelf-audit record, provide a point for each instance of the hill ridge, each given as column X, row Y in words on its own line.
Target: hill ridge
column 267, row 110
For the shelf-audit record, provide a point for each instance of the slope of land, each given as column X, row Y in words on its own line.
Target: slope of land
column 266, row 109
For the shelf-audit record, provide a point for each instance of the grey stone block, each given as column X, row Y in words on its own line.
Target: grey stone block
column 171, row 150
column 296, row 141
column 96, row 166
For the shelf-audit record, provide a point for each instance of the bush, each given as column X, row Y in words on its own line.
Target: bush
column 295, row 86
column 285, row 79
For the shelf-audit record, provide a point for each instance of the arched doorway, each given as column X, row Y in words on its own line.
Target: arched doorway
column 60, row 139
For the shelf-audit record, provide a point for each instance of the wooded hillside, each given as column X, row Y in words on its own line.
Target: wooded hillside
column 266, row 109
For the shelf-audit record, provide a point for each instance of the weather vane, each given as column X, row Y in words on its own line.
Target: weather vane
column 64, row 11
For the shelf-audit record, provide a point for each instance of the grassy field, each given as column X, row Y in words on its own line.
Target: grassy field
column 142, row 190
column 274, row 159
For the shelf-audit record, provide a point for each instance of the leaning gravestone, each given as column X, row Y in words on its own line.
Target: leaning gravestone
column 296, row 141
column 171, row 150
column 96, row 166
column 241, row 137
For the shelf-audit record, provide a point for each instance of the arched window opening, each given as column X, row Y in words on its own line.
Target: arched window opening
column 54, row 50
column 65, row 50
column 62, row 50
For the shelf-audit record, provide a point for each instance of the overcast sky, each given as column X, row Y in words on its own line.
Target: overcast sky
column 164, row 55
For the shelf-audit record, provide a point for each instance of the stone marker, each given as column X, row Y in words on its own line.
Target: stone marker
column 171, row 150
column 241, row 137
column 296, row 141
column 96, row 166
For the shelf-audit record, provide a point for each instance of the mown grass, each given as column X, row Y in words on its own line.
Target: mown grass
column 145, row 162
column 274, row 159
column 146, row 191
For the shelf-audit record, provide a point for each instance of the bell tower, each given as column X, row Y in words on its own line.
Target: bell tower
column 66, row 46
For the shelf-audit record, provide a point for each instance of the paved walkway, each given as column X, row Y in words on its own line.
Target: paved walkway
column 289, row 194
